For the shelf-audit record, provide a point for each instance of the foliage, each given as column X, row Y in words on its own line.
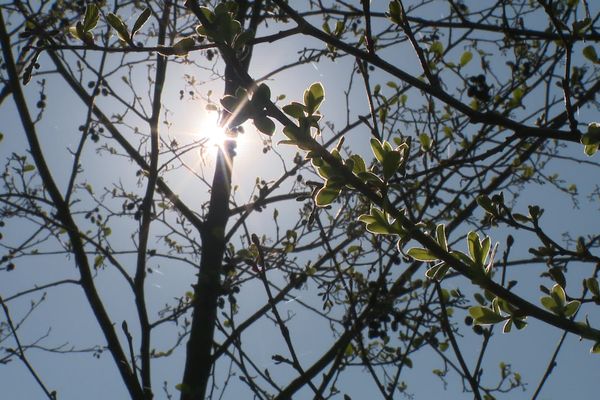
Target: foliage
column 356, row 230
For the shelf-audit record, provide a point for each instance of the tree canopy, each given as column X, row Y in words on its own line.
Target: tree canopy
column 280, row 199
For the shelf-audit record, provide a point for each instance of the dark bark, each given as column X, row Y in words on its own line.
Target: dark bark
column 199, row 362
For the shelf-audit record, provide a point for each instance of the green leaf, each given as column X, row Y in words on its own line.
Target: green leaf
column 117, row 23
column 183, row 388
column 230, row 103
column 504, row 305
column 519, row 323
column 438, row 271
column 571, row 308
column 558, row 294
column 391, row 163
column 201, row 31
column 496, row 305
column 440, row 235
column 182, row 47
column 517, row 94
column 437, row 48
column 596, row 348
column 589, row 52
column 462, row 257
column 326, row 171
column 313, row 97
column 448, row 132
column 358, row 164
column 590, row 149
column 521, row 218
column 474, row 247
column 425, row 141
column 486, row 203
column 376, row 222
column 371, row 178
column 264, row 125
column 242, row 39
column 550, row 304
column 486, row 244
column 354, row 249
column 507, row 326
column 422, row 254
column 91, row 17
column 593, row 287
column 261, row 96
column 349, row 350
column 485, row 316
column 80, row 31
column 140, row 21
column 535, row 212
column 591, row 139
column 98, row 260
column 207, row 13
column 326, row 195
column 292, row 132
column 588, row 138
column 28, row 168
column 395, row 12
column 73, row 31
column 479, row 298
column 580, row 26
column 465, row 58
column 294, row 109
column 377, row 149
column 225, row 29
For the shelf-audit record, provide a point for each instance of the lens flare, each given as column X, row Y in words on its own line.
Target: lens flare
column 209, row 128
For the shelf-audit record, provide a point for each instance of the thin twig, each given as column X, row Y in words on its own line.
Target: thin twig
column 21, row 353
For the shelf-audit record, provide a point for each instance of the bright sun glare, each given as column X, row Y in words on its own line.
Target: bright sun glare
column 209, row 128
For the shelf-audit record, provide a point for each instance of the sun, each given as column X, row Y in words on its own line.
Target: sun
column 216, row 135
column 209, row 128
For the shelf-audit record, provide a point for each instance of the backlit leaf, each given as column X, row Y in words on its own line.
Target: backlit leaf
column 140, row 21
column 485, row 316
column 422, row 254
column 117, row 23
column 294, row 109
column 440, row 235
column 465, row 58
column 264, row 125
column 377, row 149
column 313, row 97
column 438, row 271
column 326, row 195
column 91, row 17
column 571, row 308
column 182, row 47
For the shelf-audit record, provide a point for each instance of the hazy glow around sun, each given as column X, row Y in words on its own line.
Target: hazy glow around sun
column 208, row 127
